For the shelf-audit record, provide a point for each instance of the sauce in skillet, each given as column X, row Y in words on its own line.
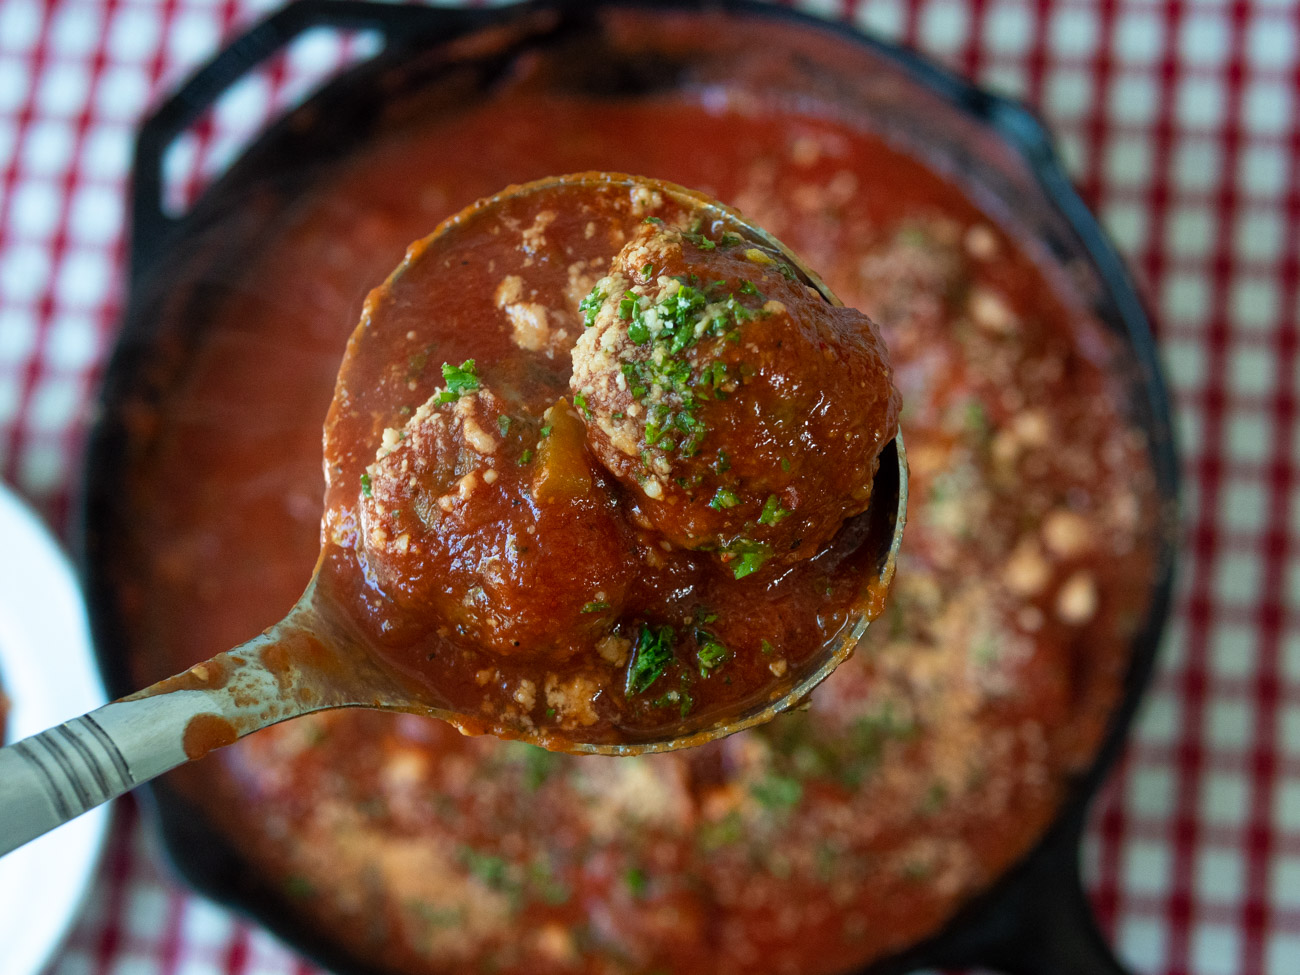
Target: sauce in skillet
column 625, row 514
column 925, row 765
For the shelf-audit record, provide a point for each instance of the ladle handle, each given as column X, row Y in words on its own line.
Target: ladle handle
column 59, row 774
column 56, row 775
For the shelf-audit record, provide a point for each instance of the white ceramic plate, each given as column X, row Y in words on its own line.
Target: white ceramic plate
column 49, row 676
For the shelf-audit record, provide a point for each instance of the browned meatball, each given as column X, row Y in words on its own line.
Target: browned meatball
column 744, row 411
column 496, row 525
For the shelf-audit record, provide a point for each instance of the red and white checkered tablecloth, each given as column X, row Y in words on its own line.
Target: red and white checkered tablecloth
column 1180, row 121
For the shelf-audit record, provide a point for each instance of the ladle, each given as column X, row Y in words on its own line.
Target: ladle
column 318, row 658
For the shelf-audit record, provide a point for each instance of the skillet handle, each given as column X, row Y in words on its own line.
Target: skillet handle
column 151, row 225
column 1056, row 933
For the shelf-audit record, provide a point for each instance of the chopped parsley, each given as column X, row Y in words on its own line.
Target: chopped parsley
column 654, row 220
column 580, row 402
column 767, row 648
column 696, row 311
column 777, row 792
column 628, row 306
column 503, row 424
column 785, row 463
column 704, row 615
column 636, row 881
column 460, row 380
column 539, row 764
column 711, row 653
column 599, row 606
column 749, row 288
column 729, row 239
column 772, row 511
column 700, row 241
column 366, row 490
column 545, row 432
column 489, row 869
column 724, row 498
column 748, row 557
column 723, row 463
column 647, row 270
column 590, row 306
column 650, row 658
column 681, row 700
column 525, row 457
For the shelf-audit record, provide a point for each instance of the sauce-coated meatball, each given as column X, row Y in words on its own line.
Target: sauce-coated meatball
column 744, row 411
column 452, row 523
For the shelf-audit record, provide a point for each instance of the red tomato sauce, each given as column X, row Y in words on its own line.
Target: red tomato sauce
column 923, row 767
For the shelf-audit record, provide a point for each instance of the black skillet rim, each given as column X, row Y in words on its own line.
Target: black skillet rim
column 992, row 926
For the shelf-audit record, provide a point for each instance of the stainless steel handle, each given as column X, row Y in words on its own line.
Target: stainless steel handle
column 58, row 774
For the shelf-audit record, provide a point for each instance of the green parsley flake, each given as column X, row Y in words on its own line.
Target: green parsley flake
column 490, row 870
column 749, row 556
column 724, row 498
column 580, row 402
column 711, row 654
column 590, row 306
column 650, row 658
column 525, row 457
column 599, row 606
column 636, row 881
column 772, row 511
column 647, row 270
column 777, row 792
column 503, row 424
column 681, row 700
column 366, row 490
column 654, row 220
column 545, row 432
column 460, row 380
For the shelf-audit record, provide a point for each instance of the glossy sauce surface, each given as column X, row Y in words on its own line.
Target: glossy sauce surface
column 531, row 502
column 926, row 764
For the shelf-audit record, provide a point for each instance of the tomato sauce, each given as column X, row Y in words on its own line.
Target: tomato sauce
column 923, row 767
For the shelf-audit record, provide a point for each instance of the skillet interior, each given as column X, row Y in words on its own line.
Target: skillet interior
column 998, row 148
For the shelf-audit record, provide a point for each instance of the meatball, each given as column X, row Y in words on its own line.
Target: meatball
column 472, row 516
column 744, row 412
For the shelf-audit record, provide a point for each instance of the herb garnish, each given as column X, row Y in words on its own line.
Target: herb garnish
column 366, row 490
column 460, row 379
column 772, row 511
column 599, row 606
column 724, row 498
column 650, row 658
column 590, row 305
column 777, row 792
column 503, row 424
column 636, row 881
column 749, row 556
column 711, row 653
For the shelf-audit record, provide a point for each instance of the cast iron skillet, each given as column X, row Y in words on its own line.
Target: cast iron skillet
column 1035, row 920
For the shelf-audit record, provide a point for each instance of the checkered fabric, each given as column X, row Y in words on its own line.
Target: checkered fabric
column 1180, row 122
